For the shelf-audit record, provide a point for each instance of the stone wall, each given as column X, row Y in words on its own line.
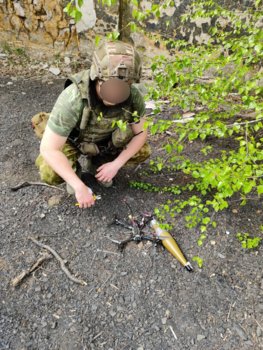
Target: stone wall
column 43, row 27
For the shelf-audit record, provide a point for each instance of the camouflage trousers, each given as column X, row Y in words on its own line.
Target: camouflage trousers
column 48, row 175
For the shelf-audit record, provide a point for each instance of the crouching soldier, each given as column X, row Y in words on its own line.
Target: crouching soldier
column 84, row 122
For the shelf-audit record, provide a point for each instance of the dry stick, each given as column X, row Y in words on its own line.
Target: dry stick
column 96, row 336
column 26, row 184
column 231, row 306
column 171, row 329
column 107, row 252
column 61, row 261
column 18, row 279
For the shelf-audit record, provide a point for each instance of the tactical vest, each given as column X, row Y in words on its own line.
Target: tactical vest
column 97, row 123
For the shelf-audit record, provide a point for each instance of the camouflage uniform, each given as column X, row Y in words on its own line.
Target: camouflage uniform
column 90, row 126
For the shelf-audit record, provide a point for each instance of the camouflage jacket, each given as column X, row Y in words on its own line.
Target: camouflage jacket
column 79, row 109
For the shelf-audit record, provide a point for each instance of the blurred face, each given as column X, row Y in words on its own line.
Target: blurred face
column 98, row 90
column 112, row 91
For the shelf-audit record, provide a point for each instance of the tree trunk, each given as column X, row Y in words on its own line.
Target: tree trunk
column 125, row 17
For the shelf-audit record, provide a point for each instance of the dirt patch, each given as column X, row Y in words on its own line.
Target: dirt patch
column 139, row 299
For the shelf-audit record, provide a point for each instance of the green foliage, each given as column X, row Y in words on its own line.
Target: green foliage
column 113, row 35
column 152, row 188
column 122, row 125
column 17, row 51
column 247, row 242
column 198, row 260
column 73, row 9
column 201, row 239
column 221, row 82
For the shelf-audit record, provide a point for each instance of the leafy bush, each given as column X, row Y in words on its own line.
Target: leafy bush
column 221, row 82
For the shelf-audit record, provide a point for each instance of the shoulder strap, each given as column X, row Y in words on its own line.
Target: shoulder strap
column 82, row 80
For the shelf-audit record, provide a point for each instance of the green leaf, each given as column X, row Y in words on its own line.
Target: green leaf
column 260, row 189
column 159, row 166
column 206, row 220
column 198, row 260
column 133, row 27
column 97, row 40
column 113, row 36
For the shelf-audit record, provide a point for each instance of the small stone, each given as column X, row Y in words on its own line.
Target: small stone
column 67, row 60
column 164, row 320
column 213, row 242
column 221, row 256
column 42, row 215
column 38, row 289
column 259, row 331
column 19, row 9
column 43, row 323
column 235, row 211
column 53, row 325
column 54, row 200
column 54, row 70
column 140, row 245
column 200, row 337
column 167, row 313
column 9, row 83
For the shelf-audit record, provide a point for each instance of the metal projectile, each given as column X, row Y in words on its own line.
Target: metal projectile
column 170, row 244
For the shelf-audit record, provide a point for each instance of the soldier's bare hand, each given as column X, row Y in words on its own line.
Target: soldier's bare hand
column 107, row 171
column 84, row 197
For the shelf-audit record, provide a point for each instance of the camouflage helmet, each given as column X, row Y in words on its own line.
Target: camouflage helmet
column 116, row 59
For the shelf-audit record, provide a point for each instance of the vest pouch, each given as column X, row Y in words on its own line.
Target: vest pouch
column 89, row 149
column 120, row 138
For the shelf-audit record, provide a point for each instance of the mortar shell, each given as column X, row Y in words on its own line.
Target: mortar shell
column 170, row 244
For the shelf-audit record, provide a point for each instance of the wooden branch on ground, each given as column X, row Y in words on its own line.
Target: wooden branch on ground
column 61, row 261
column 26, row 184
column 18, row 279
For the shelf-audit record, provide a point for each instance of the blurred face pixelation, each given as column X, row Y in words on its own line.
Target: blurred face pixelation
column 112, row 91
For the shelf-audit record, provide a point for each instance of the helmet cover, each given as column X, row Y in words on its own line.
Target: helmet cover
column 116, row 59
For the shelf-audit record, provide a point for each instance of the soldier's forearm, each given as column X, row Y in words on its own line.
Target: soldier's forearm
column 131, row 149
